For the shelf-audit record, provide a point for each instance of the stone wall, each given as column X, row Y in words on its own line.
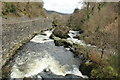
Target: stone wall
column 15, row 34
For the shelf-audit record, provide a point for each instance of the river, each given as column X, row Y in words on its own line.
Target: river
column 40, row 58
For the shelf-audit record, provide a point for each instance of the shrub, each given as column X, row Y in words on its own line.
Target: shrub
column 55, row 22
column 10, row 8
column 104, row 72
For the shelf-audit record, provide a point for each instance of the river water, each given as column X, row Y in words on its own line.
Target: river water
column 40, row 58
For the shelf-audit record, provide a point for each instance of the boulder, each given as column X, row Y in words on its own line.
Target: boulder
column 61, row 32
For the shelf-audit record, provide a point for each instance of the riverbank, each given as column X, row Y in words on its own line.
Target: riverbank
column 95, row 64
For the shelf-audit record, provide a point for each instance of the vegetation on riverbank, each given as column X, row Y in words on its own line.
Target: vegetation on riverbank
column 99, row 21
column 99, row 29
column 19, row 9
column 94, row 64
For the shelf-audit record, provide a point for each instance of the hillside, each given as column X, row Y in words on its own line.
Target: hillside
column 99, row 23
column 19, row 9
column 50, row 12
column 59, row 19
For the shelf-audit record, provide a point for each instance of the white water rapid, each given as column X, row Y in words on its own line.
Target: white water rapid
column 73, row 34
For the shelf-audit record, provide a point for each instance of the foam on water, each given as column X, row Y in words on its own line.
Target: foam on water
column 72, row 34
column 43, row 38
column 36, row 66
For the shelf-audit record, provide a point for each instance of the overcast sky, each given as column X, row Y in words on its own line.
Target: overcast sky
column 63, row 6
